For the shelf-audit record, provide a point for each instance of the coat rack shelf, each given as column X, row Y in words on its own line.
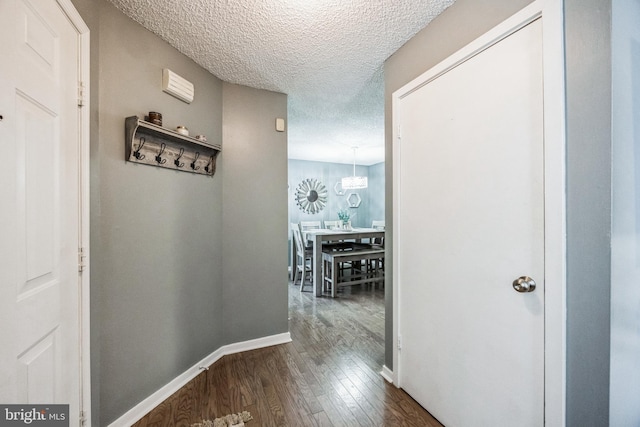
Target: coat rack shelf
column 154, row 145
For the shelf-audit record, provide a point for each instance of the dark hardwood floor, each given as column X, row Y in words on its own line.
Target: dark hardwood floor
column 328, row 376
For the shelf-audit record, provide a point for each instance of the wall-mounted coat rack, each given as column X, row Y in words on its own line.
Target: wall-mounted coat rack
column 154, row 145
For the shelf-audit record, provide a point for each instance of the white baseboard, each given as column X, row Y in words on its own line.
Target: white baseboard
column 387, row 374
column 257, row 343
column 147, row 405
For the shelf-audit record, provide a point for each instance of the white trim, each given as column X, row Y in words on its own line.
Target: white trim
column 387, row 374
column 147, row 405
column 554, row 198
column 84, row 315
column 257, row 343
column 396, row 141
column 555, row 212
column 73, row 15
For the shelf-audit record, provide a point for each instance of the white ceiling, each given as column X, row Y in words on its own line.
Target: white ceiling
column 326, row 55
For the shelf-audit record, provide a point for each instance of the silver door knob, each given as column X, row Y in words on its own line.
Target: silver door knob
column 524, row 284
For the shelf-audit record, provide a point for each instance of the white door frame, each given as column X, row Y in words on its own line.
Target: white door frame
column 551, row 12
column 84, row 147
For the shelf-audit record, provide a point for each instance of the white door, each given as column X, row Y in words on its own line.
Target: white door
column 39, row 195
column 470, row 220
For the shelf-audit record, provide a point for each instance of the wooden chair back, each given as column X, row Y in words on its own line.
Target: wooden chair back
column 309, row 225
column 332, row 224
column 297, row 236
column 378, row 225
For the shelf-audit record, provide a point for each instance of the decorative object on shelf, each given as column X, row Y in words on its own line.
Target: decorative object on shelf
column 201, row 138
column 338, row 188
column 155, row 118
column 354, row 200
column 354, row 182
column 154, row 145
column 182, row 130
column 311, row 196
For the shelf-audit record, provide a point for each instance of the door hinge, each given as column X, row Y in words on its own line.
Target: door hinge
column 399, row 132
column 399, row 342
column 80, row 94
column 83, row 418
column 81, row 259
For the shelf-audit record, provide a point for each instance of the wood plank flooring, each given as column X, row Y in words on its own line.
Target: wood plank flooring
column 328, row 376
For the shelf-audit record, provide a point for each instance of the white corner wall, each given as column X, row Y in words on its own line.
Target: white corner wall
column 625, row 240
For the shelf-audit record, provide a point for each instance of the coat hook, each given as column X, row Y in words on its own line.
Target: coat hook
column 137, row 153
column 177, row 160
column 159, row 159
column 209, row 168
column 193, row 164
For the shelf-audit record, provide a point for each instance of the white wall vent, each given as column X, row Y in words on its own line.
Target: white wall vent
column 177, row 86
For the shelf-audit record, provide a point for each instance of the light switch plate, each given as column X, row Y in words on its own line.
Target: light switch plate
column 280, row 125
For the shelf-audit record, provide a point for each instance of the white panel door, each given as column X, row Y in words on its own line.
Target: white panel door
column 39, row 134
column 470, row 222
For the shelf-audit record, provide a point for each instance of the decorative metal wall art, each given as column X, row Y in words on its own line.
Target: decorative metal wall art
column 311, row 196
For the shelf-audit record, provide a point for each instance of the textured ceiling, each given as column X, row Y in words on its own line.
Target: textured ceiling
column 326, row 55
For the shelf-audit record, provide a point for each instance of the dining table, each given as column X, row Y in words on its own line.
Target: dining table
column 318, row 237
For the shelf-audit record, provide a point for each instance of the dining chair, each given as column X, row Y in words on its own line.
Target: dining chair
column 377, row 224
column 309, row 225
column 304, row 258
column 306, row 226
column 378, row 264
column 331, row 225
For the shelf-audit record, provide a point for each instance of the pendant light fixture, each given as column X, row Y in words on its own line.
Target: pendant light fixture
column 354, row 182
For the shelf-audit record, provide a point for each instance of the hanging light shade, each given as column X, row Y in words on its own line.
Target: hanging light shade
column 354, row 182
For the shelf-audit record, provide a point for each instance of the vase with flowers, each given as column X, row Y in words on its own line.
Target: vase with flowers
column 345, row 216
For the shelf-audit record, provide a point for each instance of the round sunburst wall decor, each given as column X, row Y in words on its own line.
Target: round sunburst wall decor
column 311, row 196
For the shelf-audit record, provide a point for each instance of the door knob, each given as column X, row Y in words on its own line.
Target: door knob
column 524, row 284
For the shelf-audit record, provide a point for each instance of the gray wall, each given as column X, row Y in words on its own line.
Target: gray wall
column 376, row 191
column 159, row 300
column 625, row 240
column 588, row 79
column 157, row 248
column 456, row 27
column 255, row 214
